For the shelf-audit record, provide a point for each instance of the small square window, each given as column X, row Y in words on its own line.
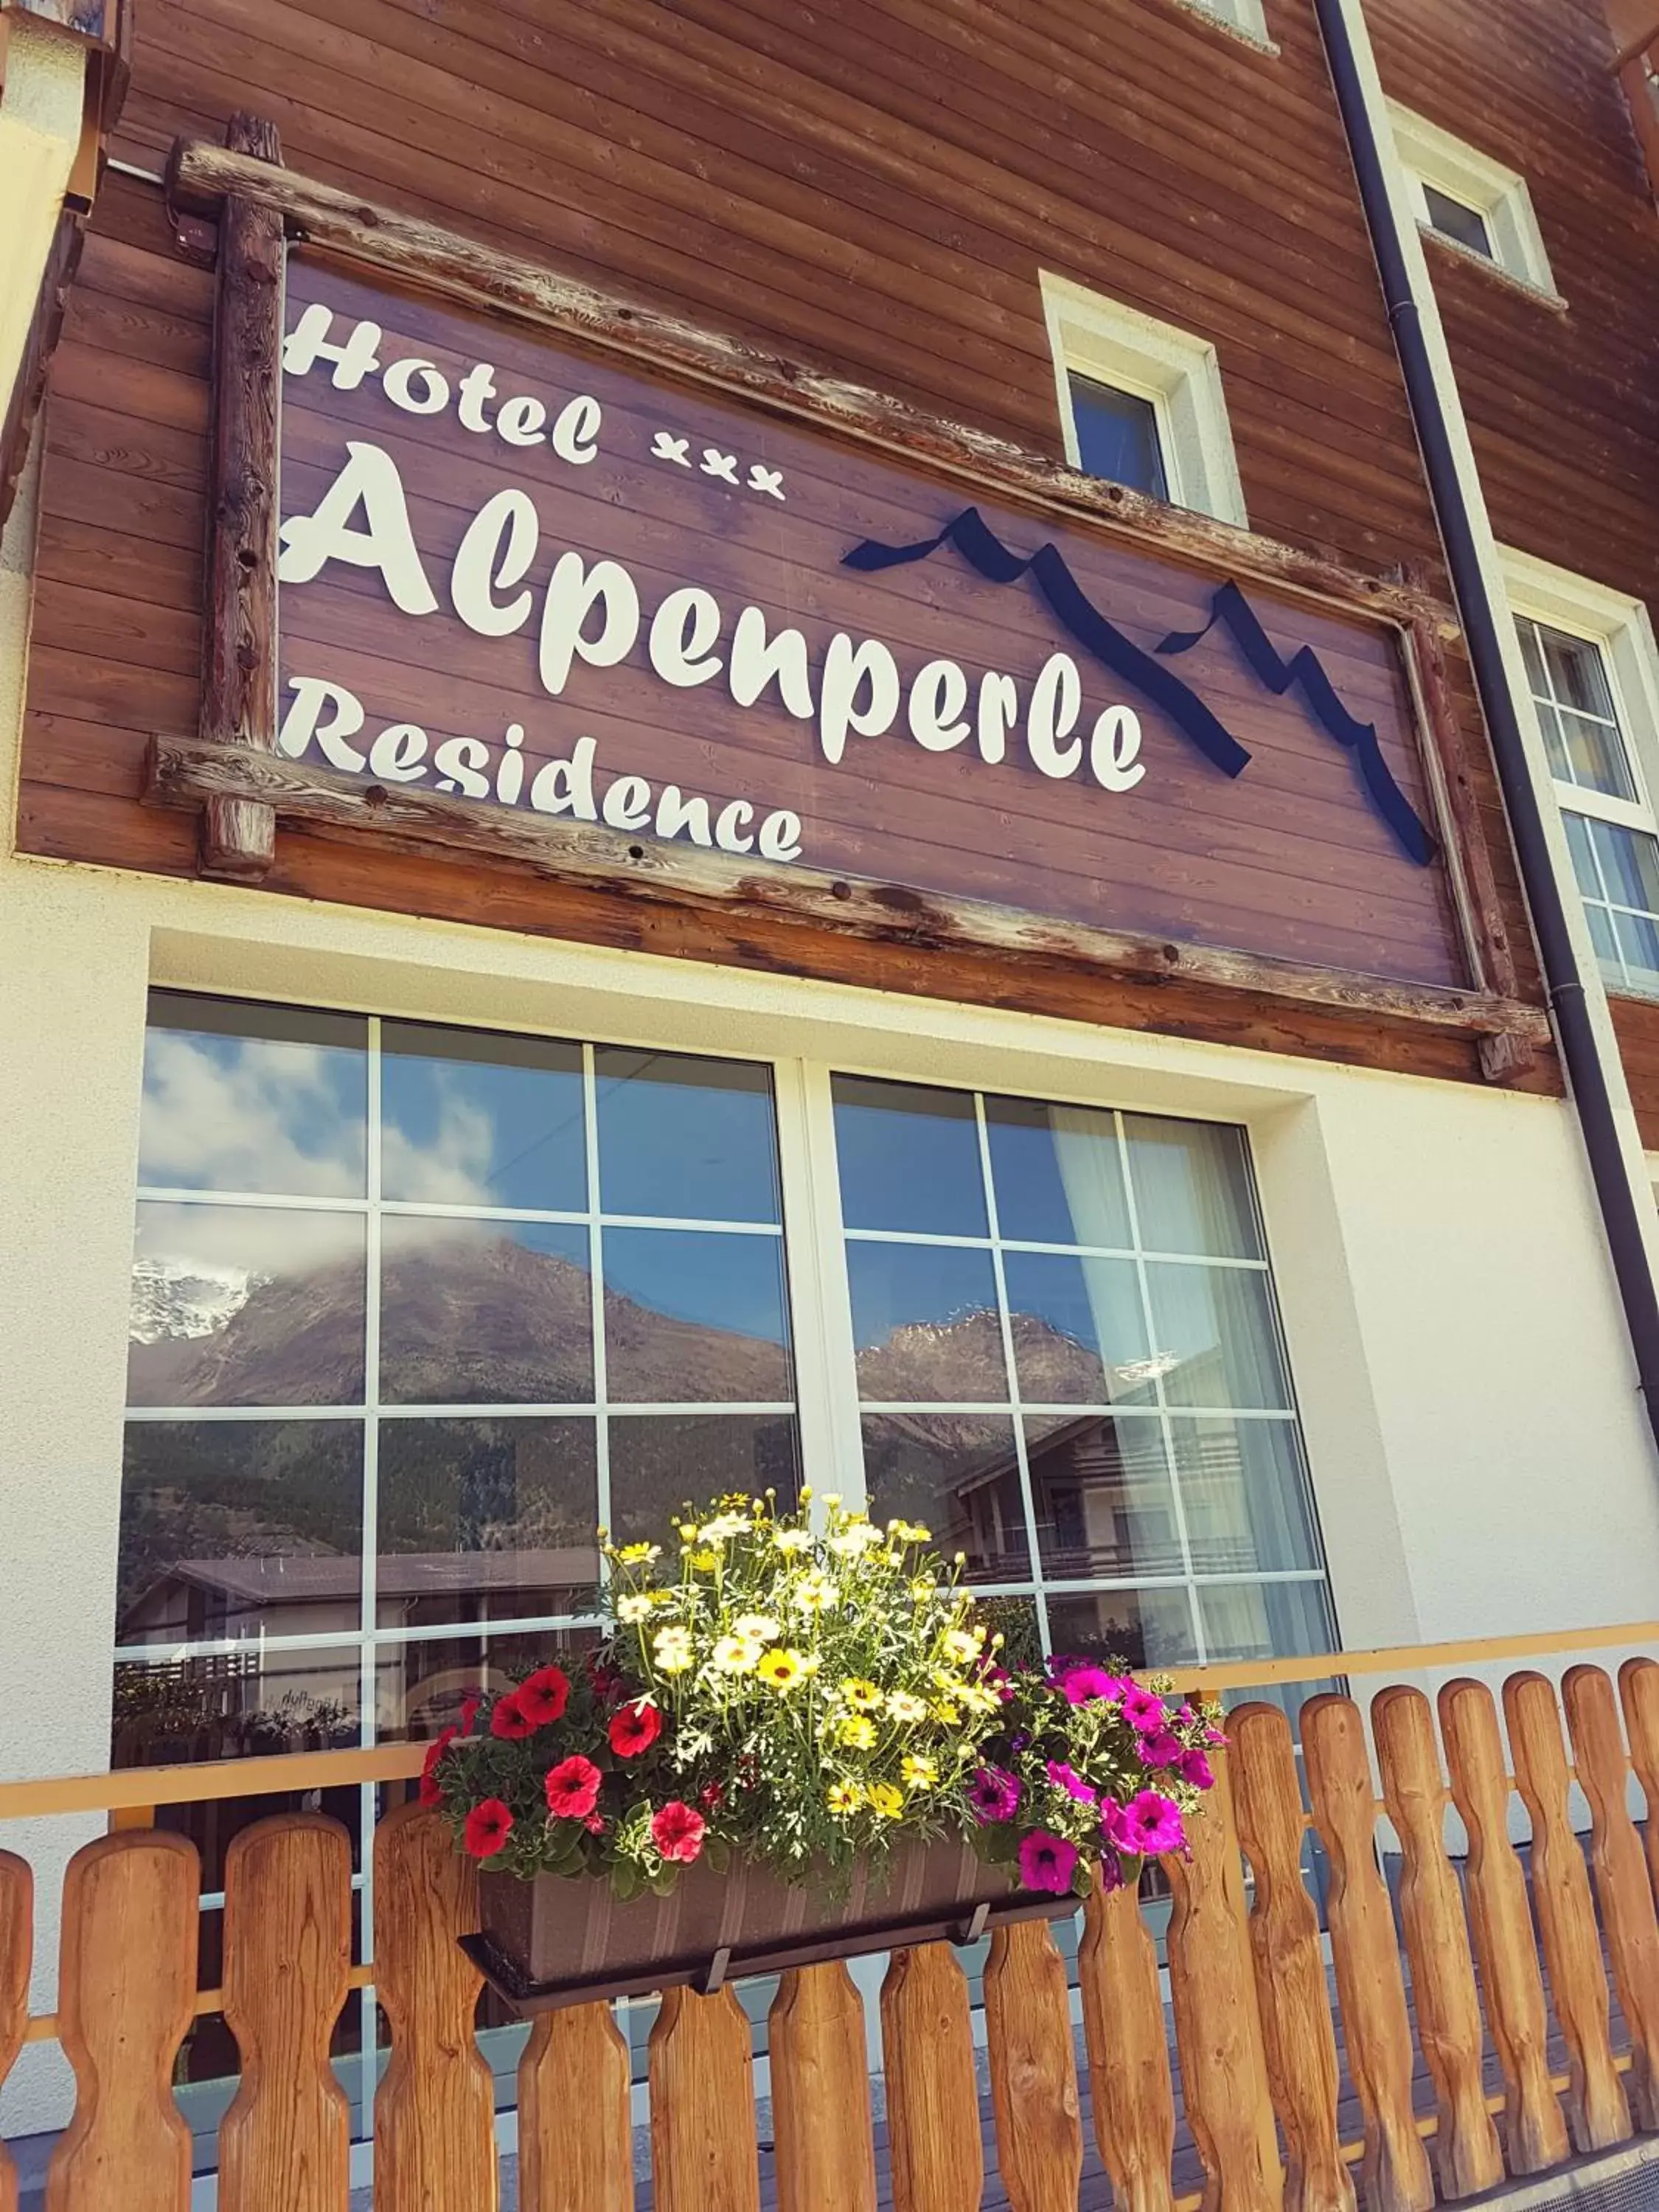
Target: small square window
column 1117, row 437
column 1453, row 220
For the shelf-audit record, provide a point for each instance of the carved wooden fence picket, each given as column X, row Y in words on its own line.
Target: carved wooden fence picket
column 1493, row 1952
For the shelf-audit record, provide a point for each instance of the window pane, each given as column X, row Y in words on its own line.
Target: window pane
column 484, row 1313
column 1638, row 947
column 1117, row 437
column 1192, row 1186
column 252, row 1098
column 471, row 1120
column 1105, row 1505
column 1142, row 1628
column 1058, row 1174
column 959, row 1475
column 1453, row 220
column 1605, row 939
column 238, row 1528
column 420, row 1686
column 245, row 1305
column 685, row 1139
column 1080, row 1336
column 1630, row 865
column 242, row 1705
column 925, row 1323
column 486, row 1518
column 908, row 1158
column 1214, row 1328
column 1583, row 856
column 693, row 1314
column 660, row 1463
column 1595, row 754
column 1577, row 673
column 1243, row 1494
column 1265, row 1620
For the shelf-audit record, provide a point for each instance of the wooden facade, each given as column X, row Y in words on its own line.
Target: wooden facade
column 1561, row 400
column 804, row 196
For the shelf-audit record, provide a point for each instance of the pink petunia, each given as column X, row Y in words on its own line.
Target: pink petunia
column 1152, row 1823
column 1192, row 1766
column 1143, row 1709
column 1068, row 1779
column 992, row 1795
column 1160, row 1747
column 1080, row 1685
column 1047, row 1862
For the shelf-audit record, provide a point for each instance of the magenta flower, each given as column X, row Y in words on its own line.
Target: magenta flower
column 1161, row 1747
column 1078, row 1685
column 1068, row 1779
column 1192, row 1766
column 992, row 1795
column 1111, row 1874
column 1143, row 1709
column 1112, row 1826
column 1152, row 1824
column 1047, row 1862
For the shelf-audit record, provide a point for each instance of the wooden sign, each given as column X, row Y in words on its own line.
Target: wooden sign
column 540, row 581
column 501, row 565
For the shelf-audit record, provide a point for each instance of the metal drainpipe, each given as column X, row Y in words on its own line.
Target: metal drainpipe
column 1586, row 1076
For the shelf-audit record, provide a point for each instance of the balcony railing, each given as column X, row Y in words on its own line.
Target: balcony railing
column 1530, row 2035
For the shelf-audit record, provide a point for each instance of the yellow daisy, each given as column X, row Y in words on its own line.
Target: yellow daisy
column 946, row 1714
column 857, row 1732
column 843, row 1797
column 672, row 1647
column 759, row 1624
column 886, row 1800
column 779, row 1669
column 639, row 1555
column 919, row 1773
column 863, row 1697
column 736, row 1654
column 960, row 1645
column 634, row 1607
column 907, row 1710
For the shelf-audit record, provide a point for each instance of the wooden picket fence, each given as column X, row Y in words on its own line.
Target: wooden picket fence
column 1490, row 1954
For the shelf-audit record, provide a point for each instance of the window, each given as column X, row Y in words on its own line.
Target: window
column 1140, row 402
column 1589, row 663
column 1245, row 16
column 1462, row 196
column 415, row 1310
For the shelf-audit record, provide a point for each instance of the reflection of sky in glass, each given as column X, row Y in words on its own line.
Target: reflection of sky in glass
column 685, row 1139
column 714, row 1281
column 1058, row 1174
column 468, row 1119
column 908, row 1158
column 282, row 1110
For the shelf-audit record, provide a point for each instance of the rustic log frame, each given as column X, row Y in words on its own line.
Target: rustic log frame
column 234, row 774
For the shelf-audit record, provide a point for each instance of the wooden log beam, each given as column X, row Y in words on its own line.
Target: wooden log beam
column 238, row 669
column 202, row 177
column 190, row 773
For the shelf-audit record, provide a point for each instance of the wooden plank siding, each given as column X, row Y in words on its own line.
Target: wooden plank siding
column 870, row 189
column 1563, row 408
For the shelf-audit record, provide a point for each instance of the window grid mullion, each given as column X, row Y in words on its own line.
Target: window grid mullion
column 596, row 1301
column 1011, row 1367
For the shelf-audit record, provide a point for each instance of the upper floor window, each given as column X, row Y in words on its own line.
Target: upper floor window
column 1588, row 659
column 1141, row 402
column 1466, row 198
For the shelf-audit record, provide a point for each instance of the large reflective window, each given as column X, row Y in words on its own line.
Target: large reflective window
column 1070, row 1367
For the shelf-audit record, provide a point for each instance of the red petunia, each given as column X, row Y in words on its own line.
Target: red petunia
column 677, row 1832
column 510, row 1720
column 430, row 1793
column 469, row 1705
column 487, row 1828
column 544, row 1695
column 635, row 1728
column 573, row 1788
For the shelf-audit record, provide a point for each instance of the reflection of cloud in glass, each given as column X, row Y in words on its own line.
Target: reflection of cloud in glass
column 255, row 1114
column 451, row 1169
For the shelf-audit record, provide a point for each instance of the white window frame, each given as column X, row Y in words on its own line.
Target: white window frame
column 1621, row 629
column 1245, row 18
column 1498, row 194
column 1091, row 336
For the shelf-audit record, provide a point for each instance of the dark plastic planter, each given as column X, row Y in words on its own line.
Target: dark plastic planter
column 557, row 1940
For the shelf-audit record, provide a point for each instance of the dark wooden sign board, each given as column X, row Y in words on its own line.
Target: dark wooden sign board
column 570, row 584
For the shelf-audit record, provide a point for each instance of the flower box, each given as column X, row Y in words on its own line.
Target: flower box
column 553, row 1940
